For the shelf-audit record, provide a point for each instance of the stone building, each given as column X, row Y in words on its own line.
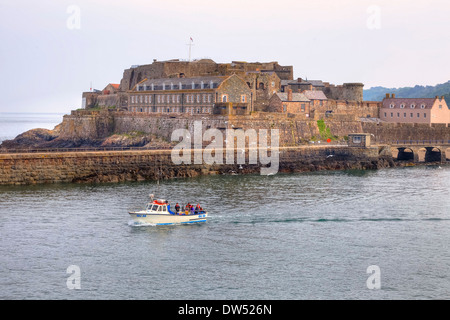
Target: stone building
column 176, row 68
column 346, row 91
column 290, row 102
column 195, row 95
column 415, row 110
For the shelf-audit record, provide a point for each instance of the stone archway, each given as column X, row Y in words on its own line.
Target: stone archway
column 433, row 154
column 406, row 154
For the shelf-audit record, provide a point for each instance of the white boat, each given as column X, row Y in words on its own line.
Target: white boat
column 158, row 212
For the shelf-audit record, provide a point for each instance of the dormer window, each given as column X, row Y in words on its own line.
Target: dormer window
column 193, row 85
column 202, row 85
column 392, row 106
column 180, row 85
column 153, row 87
column 413, row 106
column 402, row 106
column 422, row 106
column 171, row 86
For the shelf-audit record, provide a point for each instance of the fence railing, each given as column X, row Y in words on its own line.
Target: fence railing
column 414, row 142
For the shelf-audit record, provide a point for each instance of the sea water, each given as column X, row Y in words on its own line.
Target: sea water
column 314, row 235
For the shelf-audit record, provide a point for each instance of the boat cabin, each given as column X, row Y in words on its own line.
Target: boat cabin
column 158, row 206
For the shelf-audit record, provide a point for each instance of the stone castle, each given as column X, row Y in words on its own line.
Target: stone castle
column 206, row 87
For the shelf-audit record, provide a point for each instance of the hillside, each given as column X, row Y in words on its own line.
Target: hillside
column 378, row 93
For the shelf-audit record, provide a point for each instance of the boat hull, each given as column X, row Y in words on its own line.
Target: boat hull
column 166, row 219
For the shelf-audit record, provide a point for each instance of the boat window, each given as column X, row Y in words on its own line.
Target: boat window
column 160, row 208
column 165, row 208
column 155, row 207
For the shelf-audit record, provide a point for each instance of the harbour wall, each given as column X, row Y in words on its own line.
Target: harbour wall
column 140, row 165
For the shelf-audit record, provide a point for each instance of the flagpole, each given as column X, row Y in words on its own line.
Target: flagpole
column 190, row 46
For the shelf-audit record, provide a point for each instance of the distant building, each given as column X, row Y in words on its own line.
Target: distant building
column 361, row 140
column 195, row 95
column 290, row 102
column 414, row 110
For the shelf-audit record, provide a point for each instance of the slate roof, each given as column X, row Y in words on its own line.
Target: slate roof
column 296, row 97
column 209, row 82
column 407, row 102
column 315, row 95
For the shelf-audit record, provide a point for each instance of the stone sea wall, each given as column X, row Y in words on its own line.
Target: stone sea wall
column 96, row 167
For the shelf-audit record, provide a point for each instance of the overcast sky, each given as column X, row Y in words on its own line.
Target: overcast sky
column 50, row 51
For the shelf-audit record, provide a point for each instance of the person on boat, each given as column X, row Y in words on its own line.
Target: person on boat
column 177, row 207
column 192, row 209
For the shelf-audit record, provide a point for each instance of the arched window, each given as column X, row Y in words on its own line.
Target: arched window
column 261, row 86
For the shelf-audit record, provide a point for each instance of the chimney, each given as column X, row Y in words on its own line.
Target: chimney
column 388, row 95
column 437, row 97
column 289, row 94
column 393, row 95
column 442, row 97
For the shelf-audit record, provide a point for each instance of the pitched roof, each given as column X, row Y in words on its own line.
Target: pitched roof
column 209, row 82
column 115, row 85
column 407, row 102
column 295, row 97
column 315, row 95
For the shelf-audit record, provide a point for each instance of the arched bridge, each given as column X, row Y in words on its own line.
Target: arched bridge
column 421, row 150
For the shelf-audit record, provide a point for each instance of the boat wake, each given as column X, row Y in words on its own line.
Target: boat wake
column 133, row 223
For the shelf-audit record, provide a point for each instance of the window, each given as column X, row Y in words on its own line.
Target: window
column 141, row 99
column 411, row 115
column 402, row 106
column 178, row 98
column 159, row 98
column 422, row 106
column 132, row 99
column 302, row 107
column 204, row 98
column 392, row 114
column 398, row 114
column 243, row 98
column 209, row 98
column 412, row 106
column 392, row 106
column 404, row 115
column 150, row 99
column 198, row 98
column 284, row 108
column 356, row 140
column 424, row 115
column 162, row 98
column 385, row 115
column 146, row 99
column 418, row 115
column 224, row 98
column 273, row 83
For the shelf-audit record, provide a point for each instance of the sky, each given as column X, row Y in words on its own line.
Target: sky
column 52, row 51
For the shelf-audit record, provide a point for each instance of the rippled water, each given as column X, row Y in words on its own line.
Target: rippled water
column 288, row 236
